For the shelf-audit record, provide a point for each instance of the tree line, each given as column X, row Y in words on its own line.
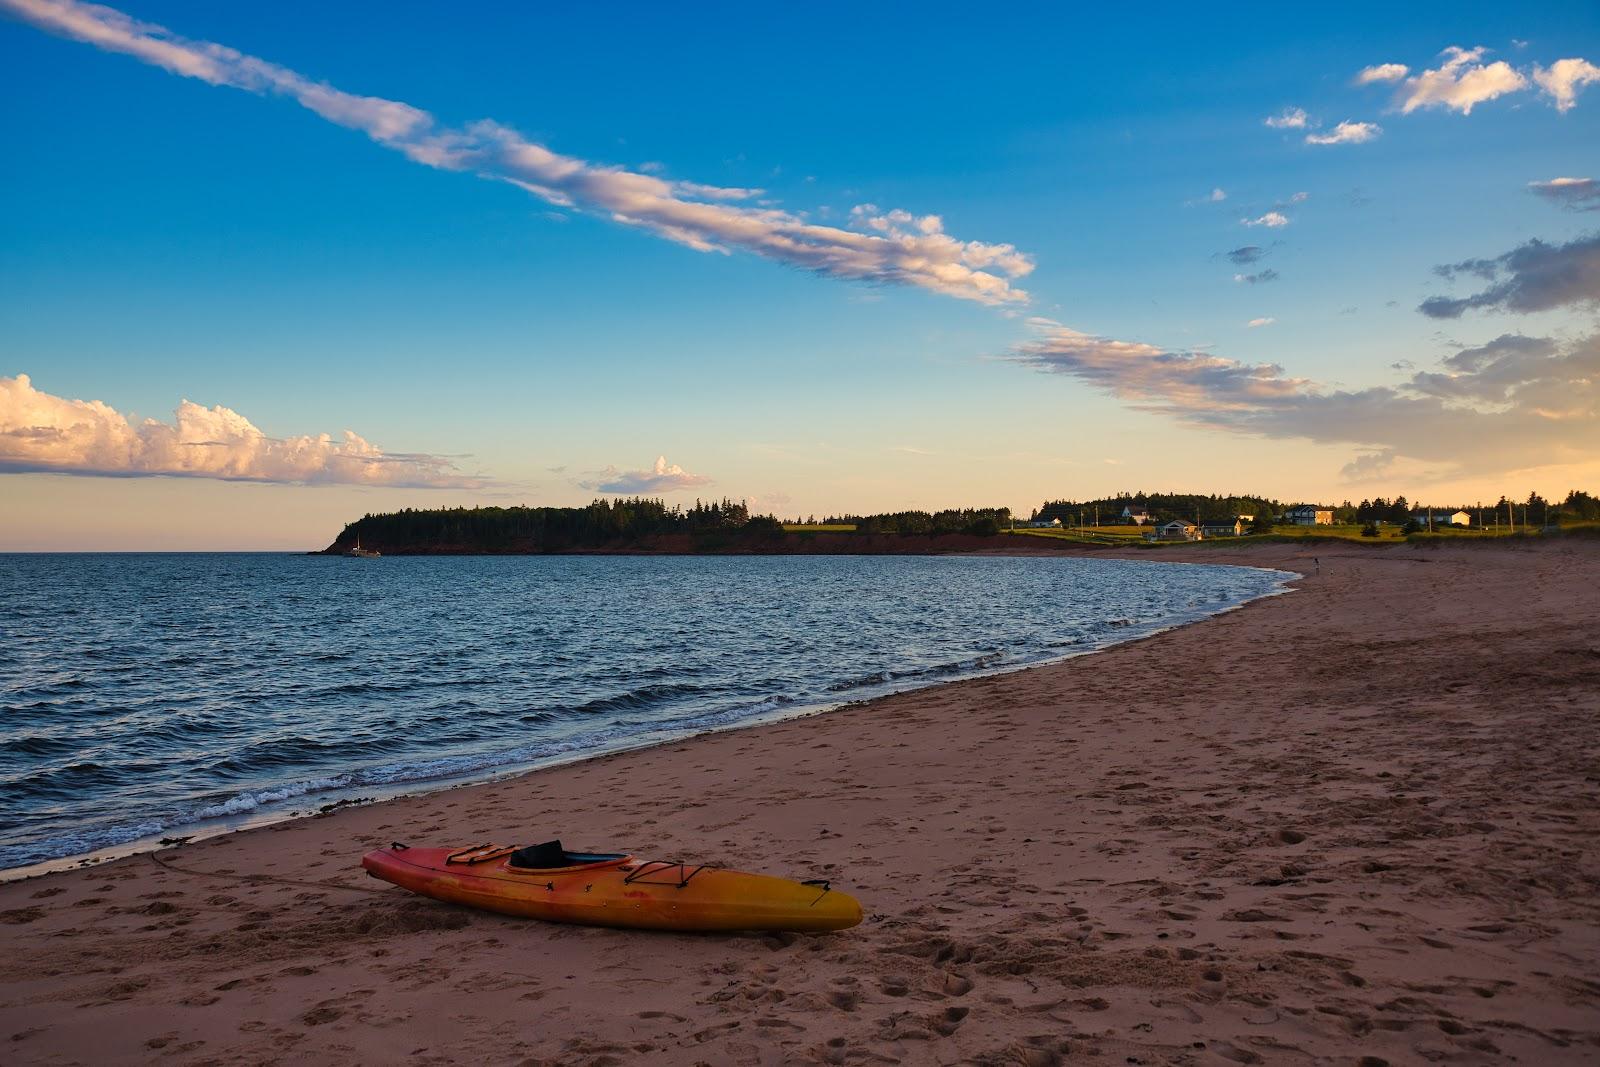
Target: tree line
column 1535, row 510
column 1162, row 507
column 601, row 523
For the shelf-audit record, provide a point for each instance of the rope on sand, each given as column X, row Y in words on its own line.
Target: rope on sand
column 164, row 865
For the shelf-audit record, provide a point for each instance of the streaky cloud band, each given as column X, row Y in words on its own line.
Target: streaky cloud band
column 891, row 247
column 1512, row 404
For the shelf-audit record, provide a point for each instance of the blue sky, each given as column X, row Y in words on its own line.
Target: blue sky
column 174, row 239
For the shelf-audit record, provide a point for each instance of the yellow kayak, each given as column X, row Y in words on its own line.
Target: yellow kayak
column 547, row 882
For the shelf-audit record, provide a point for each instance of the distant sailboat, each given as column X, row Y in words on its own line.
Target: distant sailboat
column 364, row 553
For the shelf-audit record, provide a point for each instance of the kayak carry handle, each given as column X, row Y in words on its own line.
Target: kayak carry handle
column 396, row 846
column 819, row 883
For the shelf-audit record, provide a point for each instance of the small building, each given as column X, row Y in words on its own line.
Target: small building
column 1178, row 530
column 1441, row 517
column 1041, row 524
column 1309, row 515
column 1233, row 527
column 1135, row 516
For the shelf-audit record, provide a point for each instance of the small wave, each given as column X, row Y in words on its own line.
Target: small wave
column 860, row 681
column 647, row 696
column 247, row 802
column 68, row 781
column 300, row 751
column 38, row 746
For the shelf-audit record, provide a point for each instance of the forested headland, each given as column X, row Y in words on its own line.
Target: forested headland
column 634, row 523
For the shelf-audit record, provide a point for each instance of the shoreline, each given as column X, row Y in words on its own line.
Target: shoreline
column 1357, row 818
column 323, row 801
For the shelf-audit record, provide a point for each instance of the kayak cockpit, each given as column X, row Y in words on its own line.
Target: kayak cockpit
column 550, row 856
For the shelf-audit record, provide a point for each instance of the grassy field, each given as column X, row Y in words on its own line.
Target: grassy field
column 1088, row 535
column 1387, row 534
column 1133, row 536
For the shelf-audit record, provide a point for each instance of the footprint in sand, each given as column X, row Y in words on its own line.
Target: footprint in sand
column 949, row 1021
column 322, row 1015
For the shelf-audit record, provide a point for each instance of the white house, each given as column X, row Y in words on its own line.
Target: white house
column 1179, row 530
column 1041, row 524
column 1135, row 516
column 1309, row 515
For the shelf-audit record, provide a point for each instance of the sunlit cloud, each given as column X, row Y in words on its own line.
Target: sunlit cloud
column 1346, row 133
column 1272, row 220
column 44, row 433
column 1514, row 403
column 1461, row 82
column 1290, row 118
column 1382, row 72
column 882, row 247
column 662, row 478
column 1563, row 78
column 1574, row 194
column 1531, row 277
column 1265, row 320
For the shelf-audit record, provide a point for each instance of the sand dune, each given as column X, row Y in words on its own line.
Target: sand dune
column 1354, row 824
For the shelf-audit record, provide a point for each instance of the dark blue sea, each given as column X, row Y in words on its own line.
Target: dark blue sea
column 148, row 695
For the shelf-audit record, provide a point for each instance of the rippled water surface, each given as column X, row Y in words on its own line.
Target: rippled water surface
column 146, row 693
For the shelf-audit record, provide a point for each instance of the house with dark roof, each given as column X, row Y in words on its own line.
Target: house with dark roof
column 1309, row 515
column 1222, row 527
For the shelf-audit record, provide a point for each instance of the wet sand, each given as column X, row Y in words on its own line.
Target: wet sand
column 1353, row 824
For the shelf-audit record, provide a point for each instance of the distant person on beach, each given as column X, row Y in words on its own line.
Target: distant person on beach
column 1318, row 562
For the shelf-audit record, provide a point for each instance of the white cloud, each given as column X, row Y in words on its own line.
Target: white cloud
column 1217, row 196
column 1299, row 198
column 1461, row 82
column 890, row 248
column 662, row 478
column 1346, row 133
column 1272, row 219
column 1512, row 404
column 1563, row 78
column 1264, row 321
column 41, row 432
column 1290, row 118
column 1382, row 72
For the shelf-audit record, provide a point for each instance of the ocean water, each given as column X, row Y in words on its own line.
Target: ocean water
column 154, row 694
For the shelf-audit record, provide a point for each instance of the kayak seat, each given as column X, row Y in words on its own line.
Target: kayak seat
column 549, row 855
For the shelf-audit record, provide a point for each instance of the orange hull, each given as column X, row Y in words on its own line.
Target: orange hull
column 616, row 891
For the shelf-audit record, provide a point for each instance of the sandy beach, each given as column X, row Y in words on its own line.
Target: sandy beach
column 1353, row 824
